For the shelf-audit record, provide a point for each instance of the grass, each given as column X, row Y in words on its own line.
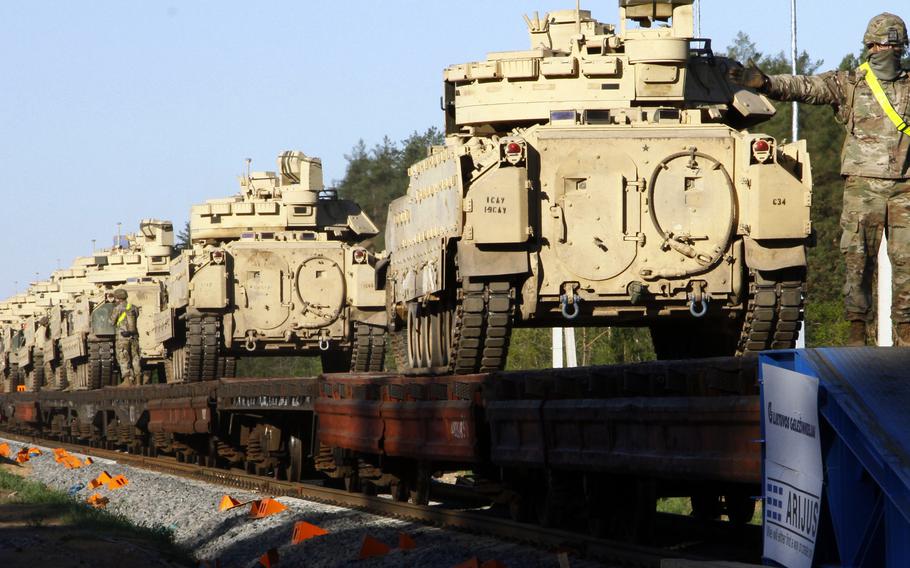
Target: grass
column 71, row 512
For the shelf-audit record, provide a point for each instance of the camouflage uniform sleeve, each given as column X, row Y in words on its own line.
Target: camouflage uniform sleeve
column 115, row 313
column 826, row 89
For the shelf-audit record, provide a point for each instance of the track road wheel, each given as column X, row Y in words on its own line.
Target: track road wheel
column 176, row 366
column 54, row 376
column 34, row 377
column 77, row 375
column 466, row 335
column 100, row 364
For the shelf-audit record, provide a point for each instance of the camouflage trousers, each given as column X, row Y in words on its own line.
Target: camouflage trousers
column 127, row 349
column 873, row 206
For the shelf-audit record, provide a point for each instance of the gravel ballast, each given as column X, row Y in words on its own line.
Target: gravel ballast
column 189, row 508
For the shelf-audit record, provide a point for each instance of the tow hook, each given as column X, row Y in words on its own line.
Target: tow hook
column 569, row 302
column 698, row 300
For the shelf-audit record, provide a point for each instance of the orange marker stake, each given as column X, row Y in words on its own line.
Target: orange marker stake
column 405, row 542
column 117, row 482
column 227, row 503
column 97, row 501
column 71, row 462
column 265, row 508
column 372, row 548
column 305, row 531
column 270, row 558
column 4, row 450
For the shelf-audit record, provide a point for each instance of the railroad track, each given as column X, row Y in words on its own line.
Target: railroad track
column 612, row 552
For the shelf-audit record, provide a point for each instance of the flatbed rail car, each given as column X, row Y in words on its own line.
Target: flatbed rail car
column 555, row 445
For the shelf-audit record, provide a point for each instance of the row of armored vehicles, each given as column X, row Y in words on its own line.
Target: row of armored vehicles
column 604, row 176
column 273, row 270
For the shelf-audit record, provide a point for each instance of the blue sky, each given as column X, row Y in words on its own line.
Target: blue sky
column 116, row 111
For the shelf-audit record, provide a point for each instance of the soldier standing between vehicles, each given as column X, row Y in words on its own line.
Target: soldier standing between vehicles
column 126, row 345
column 873, row 103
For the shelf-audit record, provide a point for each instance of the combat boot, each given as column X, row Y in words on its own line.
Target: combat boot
column 127, row 381
column 857, row 336
column 903, row 335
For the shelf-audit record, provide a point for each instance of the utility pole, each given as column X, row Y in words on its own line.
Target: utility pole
column 794, row 53
column 564, row 349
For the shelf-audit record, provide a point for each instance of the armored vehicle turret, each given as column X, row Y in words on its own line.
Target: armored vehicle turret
column 601, row 177
column 274, row 270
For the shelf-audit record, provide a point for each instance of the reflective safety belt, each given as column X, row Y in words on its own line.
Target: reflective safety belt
column 883, row 101
column 122, row 315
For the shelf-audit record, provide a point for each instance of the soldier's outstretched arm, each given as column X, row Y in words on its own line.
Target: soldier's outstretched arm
column 825, row 89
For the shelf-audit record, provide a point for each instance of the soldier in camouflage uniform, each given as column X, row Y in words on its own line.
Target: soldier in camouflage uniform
column 126, row 344
column 875, row 163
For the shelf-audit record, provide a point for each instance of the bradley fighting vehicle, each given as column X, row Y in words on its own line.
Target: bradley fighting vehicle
column 13, row 313
column 80, row 327
column 601, row 177
column 274, row 270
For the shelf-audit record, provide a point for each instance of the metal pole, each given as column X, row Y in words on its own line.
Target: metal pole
column 698, row 18
column 884, row 296
column 794, row 54
column 557, row 348
column 571, row 353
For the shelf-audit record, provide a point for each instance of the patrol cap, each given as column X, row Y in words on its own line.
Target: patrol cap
column 886, row 29
column 120, row 294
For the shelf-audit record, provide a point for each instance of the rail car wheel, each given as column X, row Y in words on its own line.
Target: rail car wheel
column 469, row 334
column 368, row 353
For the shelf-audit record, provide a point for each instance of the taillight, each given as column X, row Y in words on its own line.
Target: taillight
column 513, row 151
column 761, row 149
column 360, row 256
column 218, row 256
